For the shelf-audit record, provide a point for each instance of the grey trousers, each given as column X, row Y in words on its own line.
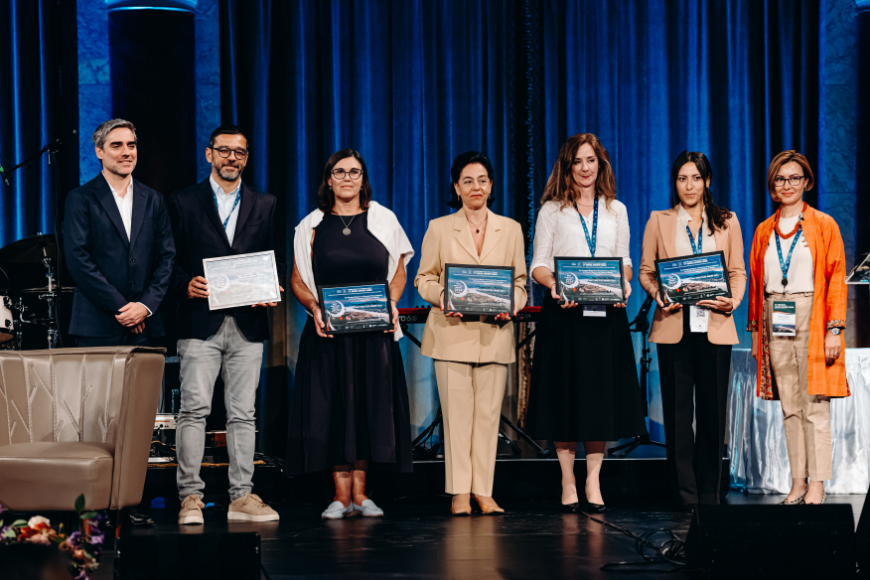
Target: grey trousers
column 239, row 362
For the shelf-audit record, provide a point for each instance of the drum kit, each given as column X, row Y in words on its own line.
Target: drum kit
column 29, row 310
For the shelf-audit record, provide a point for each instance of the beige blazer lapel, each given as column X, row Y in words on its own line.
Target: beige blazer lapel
column 721, row 236
column 667, row 230
column 493, row 235
column 462, row 232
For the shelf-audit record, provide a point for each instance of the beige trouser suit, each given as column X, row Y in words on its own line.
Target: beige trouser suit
column 472, row 353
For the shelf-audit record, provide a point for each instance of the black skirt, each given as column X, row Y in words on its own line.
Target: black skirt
column 350, row 403
column 584, row 383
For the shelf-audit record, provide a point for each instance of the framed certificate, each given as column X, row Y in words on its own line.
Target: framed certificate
column 356, row 307
column 860, row 274
column 482, row 290
column 241, row 280
column 590, row 280
column 689, row 279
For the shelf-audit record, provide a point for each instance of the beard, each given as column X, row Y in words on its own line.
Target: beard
column 229, row 173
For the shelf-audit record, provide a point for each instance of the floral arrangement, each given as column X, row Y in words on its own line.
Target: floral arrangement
column 83, row 546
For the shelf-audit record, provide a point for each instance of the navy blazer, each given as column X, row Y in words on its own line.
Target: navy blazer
column 109, row 270
column 199, row 234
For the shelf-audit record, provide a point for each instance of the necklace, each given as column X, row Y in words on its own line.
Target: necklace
column 797, row 226
column 346, row 230
column 477, row 225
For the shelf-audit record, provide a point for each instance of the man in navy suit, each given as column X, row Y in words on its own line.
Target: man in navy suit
column 118, row 247
column 220, row 217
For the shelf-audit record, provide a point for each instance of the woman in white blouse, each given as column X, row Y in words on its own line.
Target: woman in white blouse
column 584, row 382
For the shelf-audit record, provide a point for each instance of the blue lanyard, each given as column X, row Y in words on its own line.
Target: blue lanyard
column 235, row 203
column 700, row 248
column 784, row 265
column 593, row 241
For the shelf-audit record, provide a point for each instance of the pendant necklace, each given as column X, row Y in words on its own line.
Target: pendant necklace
column 477, row 225
column 346, row 230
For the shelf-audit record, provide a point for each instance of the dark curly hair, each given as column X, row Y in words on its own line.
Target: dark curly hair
column 325, row 195
column 462, row 161
column 717, row 217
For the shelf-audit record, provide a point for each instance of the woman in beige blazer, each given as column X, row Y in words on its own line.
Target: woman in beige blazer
column 471, row 353
column 694, row 355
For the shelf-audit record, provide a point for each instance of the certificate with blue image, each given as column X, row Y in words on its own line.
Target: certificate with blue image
column 356, row 307
column 690, row 279
column 590, row 280
column 482, row 290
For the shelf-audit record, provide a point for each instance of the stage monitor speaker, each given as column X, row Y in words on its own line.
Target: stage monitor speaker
column 191, row 556
column 772, row 540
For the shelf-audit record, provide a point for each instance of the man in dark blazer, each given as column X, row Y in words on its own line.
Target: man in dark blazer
column 220, row 217
column 118, row 247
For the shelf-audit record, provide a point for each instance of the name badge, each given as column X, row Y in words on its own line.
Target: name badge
column 699, row 318
column 596, row 310
column 783, row 318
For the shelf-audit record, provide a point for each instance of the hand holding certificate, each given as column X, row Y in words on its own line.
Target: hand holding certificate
column 599, row 281
column 478, row 290
column 241, row 280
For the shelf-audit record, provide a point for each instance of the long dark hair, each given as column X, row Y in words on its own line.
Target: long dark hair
column 717, row 217
column 325, row 195
column 561, row 186
column 462, row 161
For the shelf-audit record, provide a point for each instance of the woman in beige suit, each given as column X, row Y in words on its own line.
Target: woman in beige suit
column 471, row 353
column 694, row 343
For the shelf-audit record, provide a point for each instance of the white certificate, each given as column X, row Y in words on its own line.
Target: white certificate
column 241, row 280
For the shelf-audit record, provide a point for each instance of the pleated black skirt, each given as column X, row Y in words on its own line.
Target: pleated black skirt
column 350, row 403
column 584, row 377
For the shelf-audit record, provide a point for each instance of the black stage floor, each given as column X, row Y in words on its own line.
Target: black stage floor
column 419, row 539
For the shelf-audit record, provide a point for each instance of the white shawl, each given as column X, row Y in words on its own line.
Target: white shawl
column 383, row 225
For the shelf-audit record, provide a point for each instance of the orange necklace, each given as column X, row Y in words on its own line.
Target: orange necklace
column 797, row 226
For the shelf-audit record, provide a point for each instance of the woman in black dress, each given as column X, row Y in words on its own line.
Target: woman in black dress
column 350, row 404
column 584, row 382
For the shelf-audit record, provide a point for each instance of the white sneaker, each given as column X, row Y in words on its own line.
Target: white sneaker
column 337, row 511
column 250, row 508
column 368, row 509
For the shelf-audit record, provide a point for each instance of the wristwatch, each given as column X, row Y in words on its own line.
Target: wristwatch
column 836, row 331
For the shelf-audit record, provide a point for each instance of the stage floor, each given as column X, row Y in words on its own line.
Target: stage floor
column 419, row 539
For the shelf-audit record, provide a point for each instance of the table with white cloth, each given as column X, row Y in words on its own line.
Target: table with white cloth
column 756, row 436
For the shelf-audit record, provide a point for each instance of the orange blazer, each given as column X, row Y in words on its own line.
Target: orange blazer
column 658, row 244
column 829, row 305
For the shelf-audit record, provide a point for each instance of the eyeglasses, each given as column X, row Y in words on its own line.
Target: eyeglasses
column 794, row 181
column 353, row 173
column 225, row 152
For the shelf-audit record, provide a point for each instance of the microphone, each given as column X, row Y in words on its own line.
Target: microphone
column 4, row 177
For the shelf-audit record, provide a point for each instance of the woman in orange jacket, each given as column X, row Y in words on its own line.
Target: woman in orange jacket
column 797, row 314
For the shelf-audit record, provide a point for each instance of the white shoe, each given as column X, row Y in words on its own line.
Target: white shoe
column 337, row 511
column 368, row 509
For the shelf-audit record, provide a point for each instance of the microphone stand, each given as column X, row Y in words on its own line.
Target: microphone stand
column 52, row 149
column 640, row 324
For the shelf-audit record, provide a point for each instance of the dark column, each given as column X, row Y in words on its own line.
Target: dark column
column 862, row 213
column 151, row 46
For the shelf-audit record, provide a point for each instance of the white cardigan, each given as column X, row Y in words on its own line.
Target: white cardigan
column 383, row 225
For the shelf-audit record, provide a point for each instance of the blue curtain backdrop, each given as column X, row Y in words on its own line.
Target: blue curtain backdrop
column 412, row 83
column 38, row 96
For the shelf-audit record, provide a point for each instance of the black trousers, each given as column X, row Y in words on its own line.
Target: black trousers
column 695, row 366
column 124, row 338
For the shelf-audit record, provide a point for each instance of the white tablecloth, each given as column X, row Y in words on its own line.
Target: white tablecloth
column 756, row 437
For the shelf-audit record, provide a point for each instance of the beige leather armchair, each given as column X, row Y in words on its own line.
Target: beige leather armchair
column 76, row 421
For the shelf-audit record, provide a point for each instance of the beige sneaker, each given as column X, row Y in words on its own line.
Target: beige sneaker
column 250, row 508
column 191, row 510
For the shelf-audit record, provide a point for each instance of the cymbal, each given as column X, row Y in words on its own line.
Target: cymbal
column 29, row 250
column 45, row 289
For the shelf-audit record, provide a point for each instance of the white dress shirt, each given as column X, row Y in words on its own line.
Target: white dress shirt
column 125, row 208
column 800, row 272
column 225, row 203
column 558, row 232
column 125, row 205
column 682, row 243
